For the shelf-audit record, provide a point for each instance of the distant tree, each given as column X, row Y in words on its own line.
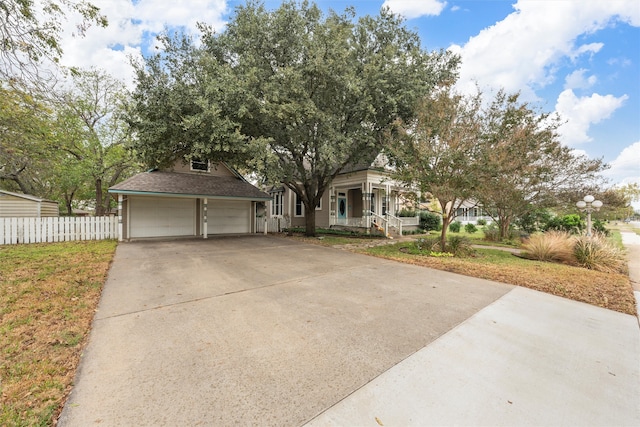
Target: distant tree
column 437, row 151
column 25, row 143
column 295, row 95
column 524, row 165
column 30, row 32
column 94, row 136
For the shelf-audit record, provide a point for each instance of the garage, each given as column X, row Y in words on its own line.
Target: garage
column 162, row 216
column 229, row 217
column 187, row 200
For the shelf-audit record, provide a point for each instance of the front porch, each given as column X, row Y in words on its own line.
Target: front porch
column 367, row 205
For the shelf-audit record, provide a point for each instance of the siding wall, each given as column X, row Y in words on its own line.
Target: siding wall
column 12, row 207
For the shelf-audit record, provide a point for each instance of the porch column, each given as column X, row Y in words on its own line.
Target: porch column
column 120, row 198
column 387, row 196
column 332, row 206
column 366, row 204
column 204, row 218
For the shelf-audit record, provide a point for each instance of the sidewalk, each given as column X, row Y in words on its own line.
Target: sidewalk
column 631, row 241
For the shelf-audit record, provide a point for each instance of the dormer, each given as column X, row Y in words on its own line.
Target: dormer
column 200, row 167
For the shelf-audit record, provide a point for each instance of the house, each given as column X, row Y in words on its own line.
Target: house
column 470, row 211
column 188, row 199
column 362, row 197
column 25, row 205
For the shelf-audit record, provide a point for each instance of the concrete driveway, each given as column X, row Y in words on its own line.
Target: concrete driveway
column 266, row 331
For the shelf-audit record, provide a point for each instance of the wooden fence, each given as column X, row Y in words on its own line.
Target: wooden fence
column 274, row 225
column 57, row 229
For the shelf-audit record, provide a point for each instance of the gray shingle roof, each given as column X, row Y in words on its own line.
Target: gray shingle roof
column 183, row 184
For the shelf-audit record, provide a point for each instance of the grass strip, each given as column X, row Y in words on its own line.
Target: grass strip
column 48, row 296
column 608, row 290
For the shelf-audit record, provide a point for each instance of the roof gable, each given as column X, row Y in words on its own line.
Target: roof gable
column 25, row 196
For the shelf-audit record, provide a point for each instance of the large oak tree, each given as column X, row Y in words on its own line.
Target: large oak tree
column 293, row 94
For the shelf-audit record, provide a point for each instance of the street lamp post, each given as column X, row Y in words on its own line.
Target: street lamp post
column 588, row 205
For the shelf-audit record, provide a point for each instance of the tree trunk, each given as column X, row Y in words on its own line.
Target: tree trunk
column 68, row 199
column 99, row 207
column 310, row 221
column 446, row 220
column 504, row 227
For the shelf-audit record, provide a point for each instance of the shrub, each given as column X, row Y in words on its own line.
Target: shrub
column 429, row 221
column 455, row 226
column 481, row 222
column 570, row 223
column 533, row 221
column 425, row 245
column 600, row 228
column 598, row 253
column 460, row 246
column 470, row 228
column 550, row 246
column 406, row 213
column 491, row 233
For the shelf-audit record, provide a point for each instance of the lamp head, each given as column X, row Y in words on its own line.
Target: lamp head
column 589, row 198
column 597, row 204
column 581, row 204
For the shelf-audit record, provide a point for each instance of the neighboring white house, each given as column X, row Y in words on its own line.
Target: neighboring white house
column 470, row 212
column 361, row 196
column 14, row 205
column 189, row 199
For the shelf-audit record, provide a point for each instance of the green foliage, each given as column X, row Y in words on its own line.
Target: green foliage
column 470, row 228
column 292, row 94
column 460, row 246
column 571, row 223
column 599, row 227
column 533, row 221
column 409, row 213
column 481, row 222
column 455, row 226
column 430, row 221
column 30, row 32
column 524, row 165
column 491, row 233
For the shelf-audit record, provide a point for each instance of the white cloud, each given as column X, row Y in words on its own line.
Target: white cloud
column 415, row 8
column 625, row 169
column 522, row 52
column 130, row 28
column 578, row 80
column 581, row 113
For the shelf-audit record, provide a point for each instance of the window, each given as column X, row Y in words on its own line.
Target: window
column 384, row 205
column 199, row 165
column 373, row 203
column 276, row 204
column 299, row 207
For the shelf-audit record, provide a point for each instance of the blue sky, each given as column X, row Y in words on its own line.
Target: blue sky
column 580, row 58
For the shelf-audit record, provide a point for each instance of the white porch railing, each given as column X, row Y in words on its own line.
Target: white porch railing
column 349, row 222
column 395, row 222
column 410, row 220
column 57, row 229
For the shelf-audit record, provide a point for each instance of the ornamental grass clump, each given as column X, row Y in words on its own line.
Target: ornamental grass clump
column 598, row 253
column 550, row 246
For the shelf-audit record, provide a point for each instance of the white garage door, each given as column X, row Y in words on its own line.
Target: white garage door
column 162, row 216
column 228, row 217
